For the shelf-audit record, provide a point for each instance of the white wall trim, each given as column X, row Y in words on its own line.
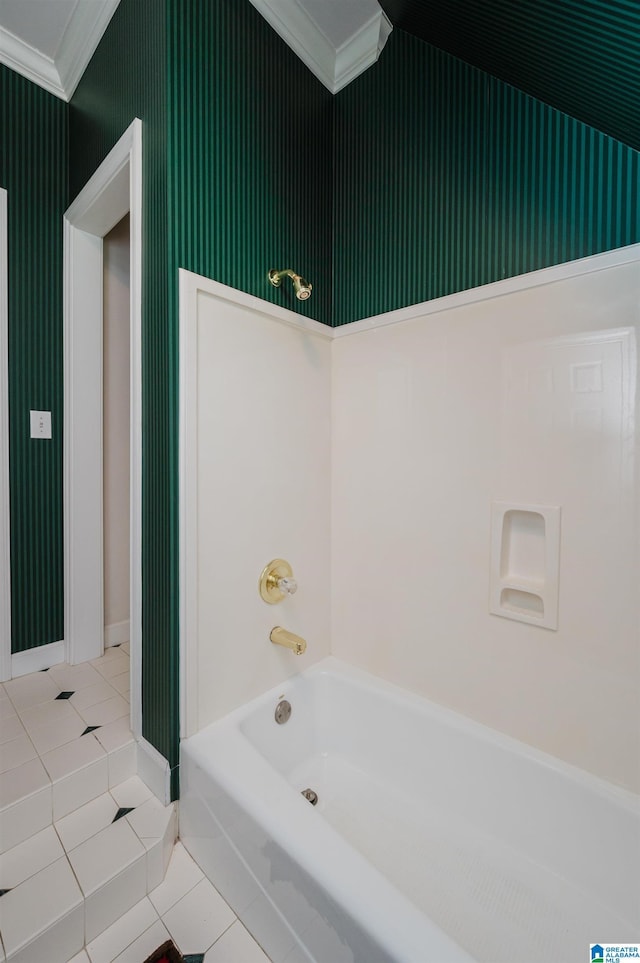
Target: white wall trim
column 190, row 282
column 5, row 503
column 34, row 660
column 522, row 282
column 135, row 437
column 154, row 770
column 188, row 501
column 60, row 76
column 334, row 68
column 97, row 207
column 116, row 633
column 114, row 190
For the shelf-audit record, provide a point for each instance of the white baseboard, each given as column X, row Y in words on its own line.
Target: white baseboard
column 116, row 633
column 154, row 771
column 33, row 660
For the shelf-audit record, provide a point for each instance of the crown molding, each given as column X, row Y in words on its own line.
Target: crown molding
column 29, row 62
column 334, row 68
column 83, row 34
column 81, row 37
column 361, row 50
column 292, row 22
column 289, row 18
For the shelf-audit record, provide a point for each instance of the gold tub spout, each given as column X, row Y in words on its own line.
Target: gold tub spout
column 288, row 639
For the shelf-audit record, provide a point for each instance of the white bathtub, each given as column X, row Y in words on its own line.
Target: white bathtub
column 434, row 839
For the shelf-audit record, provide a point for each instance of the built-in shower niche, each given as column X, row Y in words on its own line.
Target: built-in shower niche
column 525, row 563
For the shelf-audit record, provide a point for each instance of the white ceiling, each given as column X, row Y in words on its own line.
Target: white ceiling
column 42, row 23
column 52, row 41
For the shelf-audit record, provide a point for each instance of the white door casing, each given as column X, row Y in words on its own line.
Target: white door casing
column 5, row 543
column 113, row 191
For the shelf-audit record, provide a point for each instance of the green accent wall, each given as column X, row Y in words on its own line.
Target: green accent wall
column 581, row 56
column 250, row 155
column 446, row 178
column 33, row 170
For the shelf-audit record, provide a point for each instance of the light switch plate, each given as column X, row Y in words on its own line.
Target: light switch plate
column 40, row 424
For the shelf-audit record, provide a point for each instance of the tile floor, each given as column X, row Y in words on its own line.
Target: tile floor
column 84, row 840
column 185, row 908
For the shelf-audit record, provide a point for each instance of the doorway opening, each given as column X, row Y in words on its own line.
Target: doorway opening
column 115, row 427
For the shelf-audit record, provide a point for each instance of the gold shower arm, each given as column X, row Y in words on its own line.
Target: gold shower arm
column 301, row 287
column 276, row 276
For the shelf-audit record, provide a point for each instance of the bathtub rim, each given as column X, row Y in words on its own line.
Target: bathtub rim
column 332, row 666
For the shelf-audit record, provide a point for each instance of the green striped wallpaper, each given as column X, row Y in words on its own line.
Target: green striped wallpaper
column 250, row 155
column 447, row 178
column 33, row 169
column 581, row 56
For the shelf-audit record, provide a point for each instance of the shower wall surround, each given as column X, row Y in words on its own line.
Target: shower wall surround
column 529, row 398
column 373, row 457
column 258, row 474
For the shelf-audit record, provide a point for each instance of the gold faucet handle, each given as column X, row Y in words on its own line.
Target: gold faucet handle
column 288, row 586
column 277, row 581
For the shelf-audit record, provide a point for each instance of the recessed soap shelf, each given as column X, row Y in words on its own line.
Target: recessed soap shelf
column 525, row 563
column 521, row 601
